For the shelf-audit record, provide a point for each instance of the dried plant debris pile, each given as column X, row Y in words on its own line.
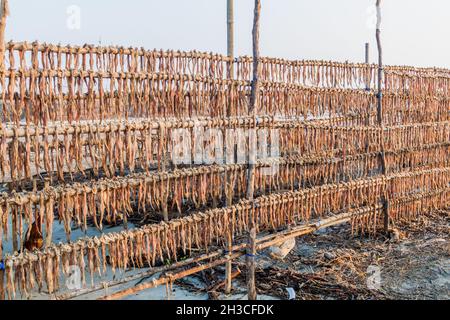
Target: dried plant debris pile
column 88, row 140
column 413, row 264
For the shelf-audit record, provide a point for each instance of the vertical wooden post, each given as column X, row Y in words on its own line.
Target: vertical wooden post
column 49, row 231
column 254, row 99
column 162, row 137
column 251, row 246
column 369, row 111
column 380, row 66
column 2, row 277
column 228, row 194
column 380, row 112
column 229, row 263
column 367, row 61
column 165, row 207
column 251, row 252
column 230, row 28
column 230, row 75
column 4, row 12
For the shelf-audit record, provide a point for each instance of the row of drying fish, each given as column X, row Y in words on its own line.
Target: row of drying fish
column 43, row 96
column 120, row 147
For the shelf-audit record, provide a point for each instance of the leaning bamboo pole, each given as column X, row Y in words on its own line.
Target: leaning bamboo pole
column 194, row 260
column 171, row 278
column 261, row 244
column 146, row 274
column 254, row 98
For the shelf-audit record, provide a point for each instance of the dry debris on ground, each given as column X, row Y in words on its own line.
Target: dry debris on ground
column 413, row 263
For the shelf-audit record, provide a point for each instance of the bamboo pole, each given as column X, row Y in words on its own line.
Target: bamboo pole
column 165, row 207
column 367, row 52
column 4, row 12
column 367, row 61
column 61, row 128
column 254, row 100
column 264, row 122
column 151, row 272
column 230, row 52
column 380, row 66
column 380, row 109
column 251, row 249
column 170, row 278
column 189, row 54
column 230, row 29
column 228, row 193
column 229, row 265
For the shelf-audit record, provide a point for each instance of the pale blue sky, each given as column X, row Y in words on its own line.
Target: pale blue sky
column 415, row 32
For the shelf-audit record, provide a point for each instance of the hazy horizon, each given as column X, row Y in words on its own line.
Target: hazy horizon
column 412, row 33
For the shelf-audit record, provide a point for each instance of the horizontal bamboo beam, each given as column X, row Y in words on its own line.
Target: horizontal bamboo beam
column 100, row 50
column 266, row 85
column 104, row 126
column 97, row 126
column 136, row 179
column 92, row 49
